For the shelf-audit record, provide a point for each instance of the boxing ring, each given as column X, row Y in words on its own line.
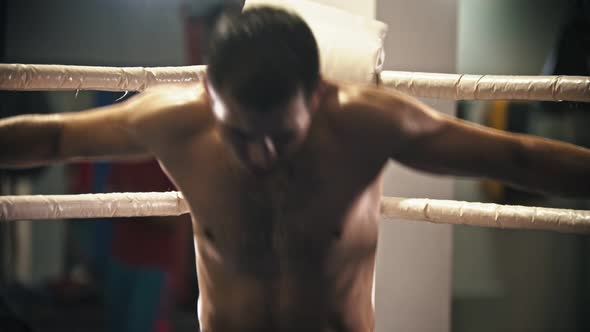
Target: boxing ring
column 21, row 77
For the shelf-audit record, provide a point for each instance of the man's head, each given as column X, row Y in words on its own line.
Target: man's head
column 263, row 77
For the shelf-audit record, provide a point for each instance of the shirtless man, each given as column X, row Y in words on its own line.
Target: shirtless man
column 282, row 171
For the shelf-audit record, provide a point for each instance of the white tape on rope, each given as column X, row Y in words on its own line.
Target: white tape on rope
column 419, row 209
column 433, row 85
column 92, row 206
column 489, row 87
column 22, row 77
column 486, row 214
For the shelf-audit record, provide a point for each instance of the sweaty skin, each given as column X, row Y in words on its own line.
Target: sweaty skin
column 292, row 248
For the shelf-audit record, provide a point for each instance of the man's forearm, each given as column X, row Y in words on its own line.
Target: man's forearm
column 29, row 140
column 552, row 167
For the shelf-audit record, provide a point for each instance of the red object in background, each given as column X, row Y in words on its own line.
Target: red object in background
column 155, row 242
column 144, row 242
column 193, row 38
column 81, row 182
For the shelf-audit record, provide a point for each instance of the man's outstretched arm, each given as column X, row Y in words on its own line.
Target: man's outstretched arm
column 437, row 143
column 140, row 127
column 30, row 140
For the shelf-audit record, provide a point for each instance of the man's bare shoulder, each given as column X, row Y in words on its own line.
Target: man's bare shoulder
column 365, row 97
column 384, row 110
column 384, row 119
column 364, row 108
column 170, row 112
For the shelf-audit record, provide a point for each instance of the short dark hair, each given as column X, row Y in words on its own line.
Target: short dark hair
column 262, row 55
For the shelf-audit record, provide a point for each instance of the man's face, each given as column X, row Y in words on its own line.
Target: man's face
column 261, row 139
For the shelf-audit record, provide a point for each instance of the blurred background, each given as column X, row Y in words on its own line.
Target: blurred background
column 515, row 280
column 138, row 275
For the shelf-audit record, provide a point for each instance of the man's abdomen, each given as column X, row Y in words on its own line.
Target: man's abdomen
column 334, row 296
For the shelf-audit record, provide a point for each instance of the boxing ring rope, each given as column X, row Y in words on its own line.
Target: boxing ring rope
column 173, row 204
column 21, row 77
column 432, row 85
column 449, row 86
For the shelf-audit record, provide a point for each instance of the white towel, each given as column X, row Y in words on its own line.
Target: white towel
column 351, row 46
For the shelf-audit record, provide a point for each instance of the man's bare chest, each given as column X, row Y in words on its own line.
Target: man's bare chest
column 297, row 214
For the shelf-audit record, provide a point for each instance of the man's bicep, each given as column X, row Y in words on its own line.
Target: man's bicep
column 441, row 144
column 101, row 133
